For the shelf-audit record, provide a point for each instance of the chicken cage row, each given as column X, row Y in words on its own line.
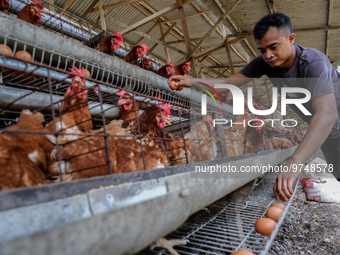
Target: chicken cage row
column 61, row 22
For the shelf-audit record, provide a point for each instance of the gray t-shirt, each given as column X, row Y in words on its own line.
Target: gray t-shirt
column 311, row 70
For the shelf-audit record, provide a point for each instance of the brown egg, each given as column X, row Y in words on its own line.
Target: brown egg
column 87, row 74
column 279, row 205
column 242, row 252
column 172, row 85
column 8, row 50
column 265, row 226
column 23, row 55
column 180, row 87
column 274, row 213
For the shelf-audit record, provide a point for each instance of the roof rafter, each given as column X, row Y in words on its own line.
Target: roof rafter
column 115, row 5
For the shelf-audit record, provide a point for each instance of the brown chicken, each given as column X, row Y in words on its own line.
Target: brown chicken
column 182, row 69
column 178, row 154
column 24, row 157
column 234, row 136
column 151, row 124
column 127, row 110
column 32, row 12
column 75, row 113
column 167, row 70
column 145, row 64
column 4, row 6
column 87, row 158
column 253, row 140
column 136, row 53
column 29, row 121
column 110, row 44
column 203, row 141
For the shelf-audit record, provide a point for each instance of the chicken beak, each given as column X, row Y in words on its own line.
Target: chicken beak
column 168, row 121
column 121, row 101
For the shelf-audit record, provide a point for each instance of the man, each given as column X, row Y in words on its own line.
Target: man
column 281, row 58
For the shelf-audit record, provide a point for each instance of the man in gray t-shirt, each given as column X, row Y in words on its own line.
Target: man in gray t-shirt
column 287, row 64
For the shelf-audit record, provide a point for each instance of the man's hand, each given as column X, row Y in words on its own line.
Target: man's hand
column 180, row 80
column 283, row 187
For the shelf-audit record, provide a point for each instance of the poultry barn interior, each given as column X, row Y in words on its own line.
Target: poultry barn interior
column 96, row 146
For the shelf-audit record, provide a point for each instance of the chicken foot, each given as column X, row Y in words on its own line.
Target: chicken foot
column 168, row 244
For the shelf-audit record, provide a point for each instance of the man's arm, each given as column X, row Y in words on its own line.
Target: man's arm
column 236, row 79
column 325, row 115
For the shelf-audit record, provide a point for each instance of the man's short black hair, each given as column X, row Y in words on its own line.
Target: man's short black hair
column 278, row 20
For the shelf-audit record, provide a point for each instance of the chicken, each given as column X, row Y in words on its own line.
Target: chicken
column 32, row 12
column 182, row 69
column 29, row 121
column 110, row 44
column 75, row 113
column 24, row 157
column 234, row 136
column 281, row 143
column 178, row 154
column 22, row 161
column 203, row 141
column 167, row 70
column 136, row 53
column 127, row 110
column 151, row 124
column 4, row 6
column 145, row 64
column 267, row 144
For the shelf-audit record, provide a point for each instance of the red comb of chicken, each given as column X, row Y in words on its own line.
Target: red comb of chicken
column 149, row 60
column 119, row 35
column 121, row 93
column 172, row 65
column 76, row 71
column 188, row 64
column 165, row 107
column 145, row 48
column 38, row 2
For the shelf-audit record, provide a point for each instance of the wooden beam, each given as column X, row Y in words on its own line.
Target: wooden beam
column 101, row 14
column 87, row 11
column 180, row 7
column 207, row 35
column 149, row 8
column 330, row 12
column 211, row 70
column 163, row 39
column 212, row 29
column 68, row 5
column 156, row 21
column 206, row 17
column 115, row 5
column 188, row 16
column 237, row 29
column 148, row 32
column 227, row 66
column 154, row 16
column 230, row 59
column 271, row 5
column 163, row 35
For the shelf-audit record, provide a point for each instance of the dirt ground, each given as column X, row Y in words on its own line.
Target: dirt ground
column 309, row 227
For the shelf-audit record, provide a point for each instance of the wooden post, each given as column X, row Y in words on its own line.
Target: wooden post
column 149, row 31
column 186, row 36
column 101, row 14
column 163, row 37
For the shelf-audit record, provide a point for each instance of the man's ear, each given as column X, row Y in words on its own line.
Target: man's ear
column 291, row 38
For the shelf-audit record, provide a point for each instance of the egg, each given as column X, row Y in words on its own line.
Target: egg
column 274, row 213
column 265, row 226
column 87, row 74
column 23, row 55
column 242, row 252
column 8, row 50
column 173, row 86
column 279, row 205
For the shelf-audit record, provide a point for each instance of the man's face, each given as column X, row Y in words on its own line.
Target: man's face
column 276, row 47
